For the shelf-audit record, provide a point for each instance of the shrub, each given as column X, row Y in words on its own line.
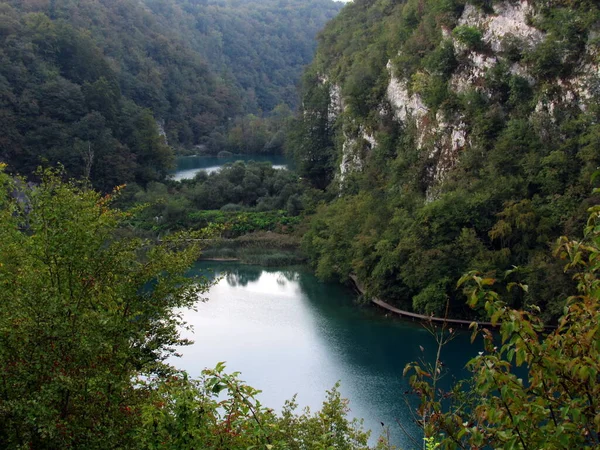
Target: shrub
column 219, row 411
column 534, row 388
column 470, row 36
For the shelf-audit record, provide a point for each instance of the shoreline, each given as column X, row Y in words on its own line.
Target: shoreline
column 219, row 259
column 421, row 317
column 414, row 316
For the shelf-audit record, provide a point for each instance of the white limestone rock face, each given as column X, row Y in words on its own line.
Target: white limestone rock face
column 512, row 20
column 336, row 102
column 580, row 90
column 352, row 153
column 442, row 139
column 353, row 146
column 370, row 139
column 407, row 106
column 448, row 139
column 472, row 73
column 586, row 80
column 351, row 160
column 403, row 103
column 509, row 19
column 354, row 150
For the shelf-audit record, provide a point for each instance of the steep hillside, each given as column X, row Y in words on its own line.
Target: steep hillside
column 89, row 84
column 105, row 87
column 263, row 44
column 453, row 136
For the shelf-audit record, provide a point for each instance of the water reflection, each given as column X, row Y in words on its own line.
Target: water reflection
column 288, row 333
column 236, row 277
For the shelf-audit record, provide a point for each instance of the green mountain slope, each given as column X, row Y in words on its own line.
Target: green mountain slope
column 83, row 82
column 103, row 86
column 263, row 44
column 452, row 135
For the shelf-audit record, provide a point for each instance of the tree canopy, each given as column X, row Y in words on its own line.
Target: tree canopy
column 111, row 89
column 532, row 387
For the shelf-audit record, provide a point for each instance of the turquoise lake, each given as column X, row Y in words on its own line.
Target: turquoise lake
column 189, row 166
column 288, row 333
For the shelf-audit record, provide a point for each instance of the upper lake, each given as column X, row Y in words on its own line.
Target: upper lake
column 189, row 166
column 288, row 333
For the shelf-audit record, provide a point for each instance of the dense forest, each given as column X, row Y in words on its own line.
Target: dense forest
column 109, row 89
column 451, row 136
column 264, row 45
column 440, row 146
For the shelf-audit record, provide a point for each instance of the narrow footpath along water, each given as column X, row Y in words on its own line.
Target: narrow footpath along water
column 189, row 166
column 290, row 334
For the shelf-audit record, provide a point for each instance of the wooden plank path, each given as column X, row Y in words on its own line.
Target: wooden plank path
column 422, row 317
column 413, row 315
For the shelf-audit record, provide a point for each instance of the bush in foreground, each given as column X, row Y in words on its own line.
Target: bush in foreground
column 88, row 318
column 533, row 387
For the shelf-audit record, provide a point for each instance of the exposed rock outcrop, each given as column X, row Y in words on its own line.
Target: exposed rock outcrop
column 441, row 136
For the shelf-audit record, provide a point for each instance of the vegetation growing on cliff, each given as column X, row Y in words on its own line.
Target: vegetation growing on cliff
column 447, row 149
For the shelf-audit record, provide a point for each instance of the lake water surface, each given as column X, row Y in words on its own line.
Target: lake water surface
column 290, row 334
column 189, row 166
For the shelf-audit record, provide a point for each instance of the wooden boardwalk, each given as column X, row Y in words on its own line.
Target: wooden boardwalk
column 415, row 316
column 424, row 318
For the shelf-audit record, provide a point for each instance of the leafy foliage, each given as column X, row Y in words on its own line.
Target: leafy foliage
column 310, row 140
column 103, row 87
column 83, row 314
column 470, row 36
column 245, row 197
column 521, row 178
column 236, row 224
column 220, row 411
column 88, row 316
column 262, row 45
column 537, row 389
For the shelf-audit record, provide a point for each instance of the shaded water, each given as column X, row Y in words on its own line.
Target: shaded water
column 189, row 166
column 289, row 333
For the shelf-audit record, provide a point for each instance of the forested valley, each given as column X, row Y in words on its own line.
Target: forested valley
column 443, row 154
column 112, row 89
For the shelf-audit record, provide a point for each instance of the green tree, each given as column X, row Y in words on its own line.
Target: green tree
column 310, row 140
column 219, row 411
column 88, row 316
column 534, row 389
column 83, row 313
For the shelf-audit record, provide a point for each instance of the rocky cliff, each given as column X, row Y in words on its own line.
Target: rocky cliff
column 455, row 135
column 500, row 35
